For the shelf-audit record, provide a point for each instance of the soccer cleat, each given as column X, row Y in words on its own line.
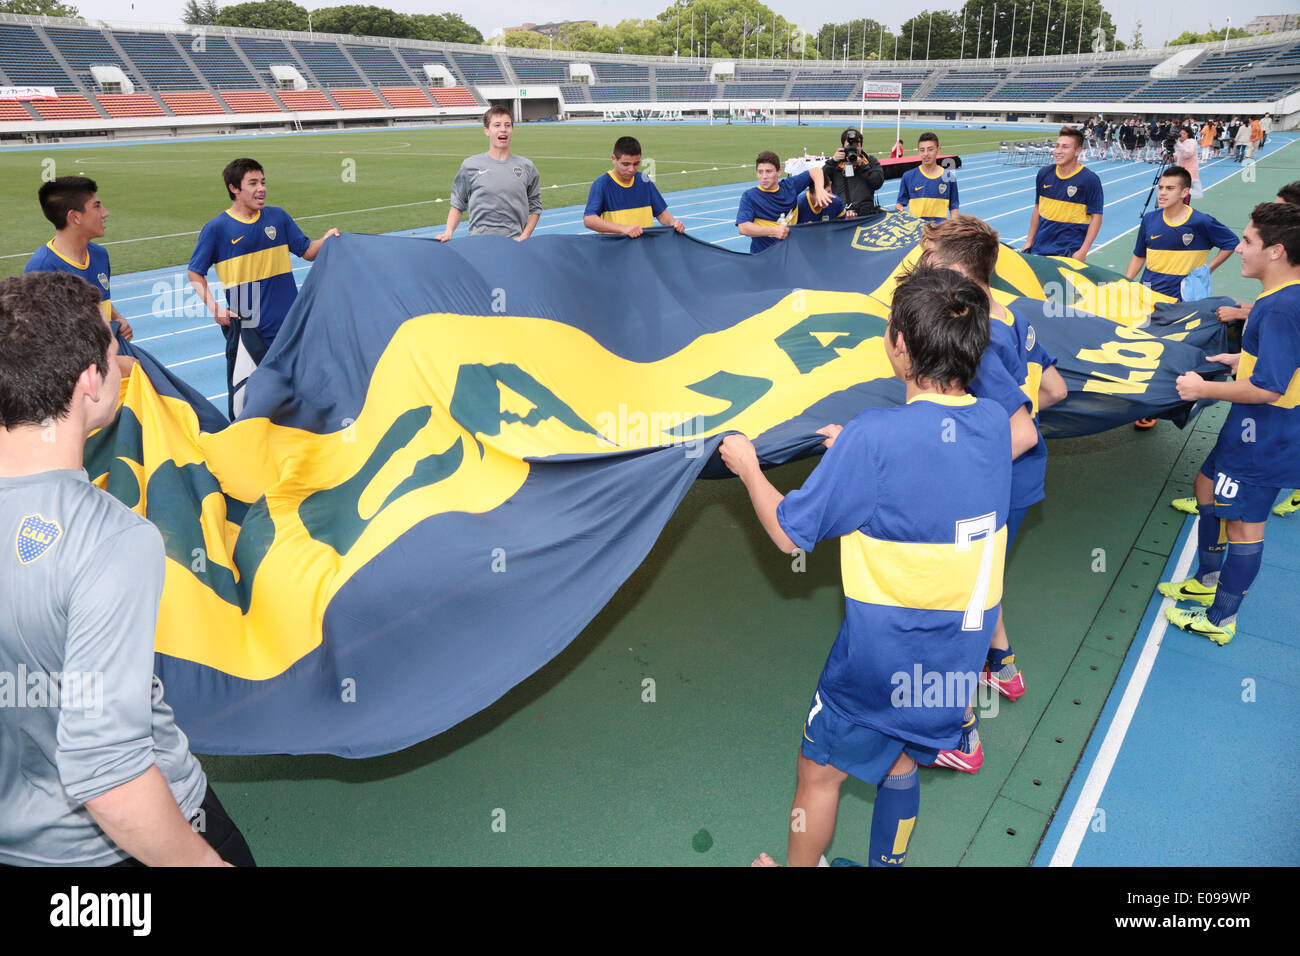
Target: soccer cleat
column 969, row 755
column 1189, row 590
column 1142, row 424
column 1009, row 681
column 1195, row 622
column 1188, row 505
column 1284, row 508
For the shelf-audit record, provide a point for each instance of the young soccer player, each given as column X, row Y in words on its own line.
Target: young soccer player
column 249, row 244
column 73, row 207
column 768, row 210
column 1174, row 239
column 1258, row 451
column 917, row 495
column 970, row 246
column 1290, row 193
column 928, row 192
column 623, row 201
column 501, row 190
column 810, row 211
column 1068, row 203
column 99, row 774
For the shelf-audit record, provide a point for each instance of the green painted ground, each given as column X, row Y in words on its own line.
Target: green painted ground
column 169, row 190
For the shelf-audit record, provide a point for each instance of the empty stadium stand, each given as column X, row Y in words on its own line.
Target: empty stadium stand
column 113, row 74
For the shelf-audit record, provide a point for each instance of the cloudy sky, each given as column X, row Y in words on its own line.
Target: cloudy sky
column 1161, row 19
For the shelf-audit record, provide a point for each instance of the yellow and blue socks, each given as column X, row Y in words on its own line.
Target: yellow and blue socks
column 898, row 798
column 1240, row 568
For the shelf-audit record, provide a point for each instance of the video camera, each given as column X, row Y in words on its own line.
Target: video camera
column 851, row 142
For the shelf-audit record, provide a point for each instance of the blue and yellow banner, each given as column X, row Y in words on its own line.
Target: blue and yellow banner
column 455, row 454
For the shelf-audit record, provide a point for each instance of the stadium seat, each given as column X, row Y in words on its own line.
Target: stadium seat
column 119, row 105
column 191, row 104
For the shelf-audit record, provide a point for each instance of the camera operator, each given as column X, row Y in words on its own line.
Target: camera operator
column 854, row 176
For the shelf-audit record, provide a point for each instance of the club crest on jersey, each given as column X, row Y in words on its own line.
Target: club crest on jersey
column 35, row 536
column 943, row 188
column 518, row 171
column 270, row 232
column 1030, row 339
column 103, row 280
column 1071, row 190
column 1187, row 238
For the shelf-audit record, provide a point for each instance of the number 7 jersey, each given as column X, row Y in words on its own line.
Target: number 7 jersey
column 918, row 496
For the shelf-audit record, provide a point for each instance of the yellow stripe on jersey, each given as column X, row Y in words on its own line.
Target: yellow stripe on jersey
column 254, row 266
column 931, row 577
column 1176, row 262
column 638, row 216
column 106, row 306
column 1033, row 381
column 791, row 218
column 1288, row 399
column 922, row 208
column 1060, row 211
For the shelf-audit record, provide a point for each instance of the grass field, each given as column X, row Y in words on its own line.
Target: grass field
column 159, row 195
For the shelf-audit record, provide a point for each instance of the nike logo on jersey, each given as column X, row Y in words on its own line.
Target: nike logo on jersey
column 233, row 241
column 1156, row 236
column 918, row 188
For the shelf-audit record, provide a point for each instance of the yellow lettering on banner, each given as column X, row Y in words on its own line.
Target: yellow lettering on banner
column 1134, row 384
column 278, row 468
column 1130, row 354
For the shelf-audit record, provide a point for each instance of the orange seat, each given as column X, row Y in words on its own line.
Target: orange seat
column 304, row 100
column 357, row 99
column 406, row 97
column 67, row 106
column 130, row 104
column 453, row 96
column 191, row 104
column 250, row 101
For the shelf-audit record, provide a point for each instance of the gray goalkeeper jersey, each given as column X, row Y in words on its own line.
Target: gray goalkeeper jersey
column 80, row 710
column 500, row 196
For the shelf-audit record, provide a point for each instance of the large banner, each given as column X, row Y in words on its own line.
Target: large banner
column 456, row 453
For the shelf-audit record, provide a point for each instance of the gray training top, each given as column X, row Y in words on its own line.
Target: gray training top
column 500, row 196
column 80, row 710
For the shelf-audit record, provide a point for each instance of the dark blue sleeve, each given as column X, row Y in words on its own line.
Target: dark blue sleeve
column 1221, row 236
column 1096, row 196
column 953, row 202
column 657, row 204
column 595, row 199
column 745, row 211
column 902, row 191
column 800, row 181
column 993, row 381
column 840, row 494
column 205, row 250
column 1277, row 360
column 298, row 241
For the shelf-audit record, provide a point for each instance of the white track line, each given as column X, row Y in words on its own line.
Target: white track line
column 1086, row 805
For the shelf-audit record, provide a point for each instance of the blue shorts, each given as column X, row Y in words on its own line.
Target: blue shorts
column 865, row 753
column 1236, row 500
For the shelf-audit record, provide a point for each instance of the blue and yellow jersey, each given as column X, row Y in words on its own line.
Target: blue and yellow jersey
column 94, row 269
column 1260, row 444
column 1065, row 205
column 637, row 203
column 1173, row 249
column 1013, row 339
column 928, row 197
column 805, row 213
column 252, row 261
column 917, row 495
column 772, row 207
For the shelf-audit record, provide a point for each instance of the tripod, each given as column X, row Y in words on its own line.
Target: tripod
column 1166, row 160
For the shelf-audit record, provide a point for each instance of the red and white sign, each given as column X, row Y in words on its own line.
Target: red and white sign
column 28, row 93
